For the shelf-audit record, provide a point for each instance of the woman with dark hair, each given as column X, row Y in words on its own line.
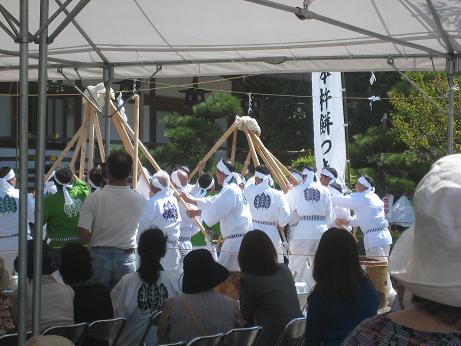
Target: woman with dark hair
column 268, row 294
column 62, row 209
column 91, row 301
column 141, row 294
column 343, row 296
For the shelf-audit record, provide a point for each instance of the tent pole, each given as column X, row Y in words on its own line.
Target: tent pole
column 23, row 158
column 451, row 99
column 108, row 73
column 39, row 168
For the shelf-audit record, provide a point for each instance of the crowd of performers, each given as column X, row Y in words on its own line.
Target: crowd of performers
column 109, row 216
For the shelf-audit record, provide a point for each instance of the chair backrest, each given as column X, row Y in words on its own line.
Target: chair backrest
column 293, row 333
column 302, row 298
column 153, row 321
column 11, row 339
column 73, row 332
column 105, row 330
column 209, row 340
column 242, row 336
column 180, row 343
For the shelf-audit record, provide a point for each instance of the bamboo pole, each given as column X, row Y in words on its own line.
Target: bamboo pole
column 215, row 147
column 270, row 157
column 83, row 138
column 136, row 140
column 91, row 142
column 75, row 155
column 252, row 149
column 278, row 175
column 247, row 162
column 97, row 128
column 234, row 145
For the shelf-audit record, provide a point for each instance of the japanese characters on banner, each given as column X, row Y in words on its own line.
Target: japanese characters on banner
column 329, row 137
column 388, row 201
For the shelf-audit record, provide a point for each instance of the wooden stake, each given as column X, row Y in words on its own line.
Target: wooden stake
column 75, row 155
column 252, row 149
column 86, row 116
column 99, row 138
column 136, row 140
column 64, row 153
column 213, row 149
column 234, row 145
column 247, row 162
column 91, row 142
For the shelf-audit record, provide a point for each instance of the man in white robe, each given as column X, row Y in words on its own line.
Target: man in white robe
column 369, row 216
column 9, row 216
column 269, row 207
column 230, row 209
column 162, row 211
column 312, row 203
column 328, row 177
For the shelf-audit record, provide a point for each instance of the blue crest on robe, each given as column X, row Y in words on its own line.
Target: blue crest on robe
column 262, row 201
column 170, row 213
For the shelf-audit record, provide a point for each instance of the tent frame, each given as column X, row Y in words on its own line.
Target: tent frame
column 24, row 37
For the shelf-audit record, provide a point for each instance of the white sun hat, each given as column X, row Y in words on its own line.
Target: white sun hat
column 427, row 257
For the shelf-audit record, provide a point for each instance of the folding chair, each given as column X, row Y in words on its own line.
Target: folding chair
column 105, row 330
column 180, row 343
column 293, row 333
column 302, row 298
column 209, row 340
column 73, row 332
column 153, row 321
column 242, row 336
column 12, row 339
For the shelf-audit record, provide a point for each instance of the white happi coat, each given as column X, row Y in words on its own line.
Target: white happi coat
column 231, row 210
column 311, row 201
column 162, row 211
column 269, row 208
column 369, row 216
column 9, row 224
column 340, row 212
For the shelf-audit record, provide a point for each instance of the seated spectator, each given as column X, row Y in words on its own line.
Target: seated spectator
column 141, row 294
column 200, row 310
column 48, row 340
column 268, row 295
column 343, row 296
column 57, row 299
column 91, row 301
column 62, row 209
column 426, row 262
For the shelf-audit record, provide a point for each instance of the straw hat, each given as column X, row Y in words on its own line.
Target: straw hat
column 427, row 257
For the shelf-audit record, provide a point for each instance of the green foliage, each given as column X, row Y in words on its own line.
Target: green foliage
column 190, row 138
column 219, row 105
column 303, row 161
column 417, row 123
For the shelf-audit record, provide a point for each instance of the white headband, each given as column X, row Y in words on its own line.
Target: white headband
column 223, row 168
column 365, row 183
column 309, row 176
column 67, row 199
column 175, row 179
column 297, row 176
column 266, row 179
column 93, row 185
column 209, row 186
column 9, row 176
column 156, row 183
column 328, row 174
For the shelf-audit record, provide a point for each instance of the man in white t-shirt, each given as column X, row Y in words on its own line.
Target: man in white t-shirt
column 162, row 211
column 109, row 220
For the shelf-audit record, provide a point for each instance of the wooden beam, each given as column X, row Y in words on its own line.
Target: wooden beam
column 234, row 145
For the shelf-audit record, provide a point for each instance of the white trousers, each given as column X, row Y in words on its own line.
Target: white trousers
column 302, row 260
column 171, row 260
column 382, row 253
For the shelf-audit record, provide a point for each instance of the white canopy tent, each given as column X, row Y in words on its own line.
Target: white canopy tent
column 90, row 39
column 222, row 37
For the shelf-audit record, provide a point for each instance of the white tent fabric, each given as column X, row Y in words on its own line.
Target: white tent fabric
column 222, row 37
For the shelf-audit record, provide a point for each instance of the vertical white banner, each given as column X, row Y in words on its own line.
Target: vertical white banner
column 329, row 137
